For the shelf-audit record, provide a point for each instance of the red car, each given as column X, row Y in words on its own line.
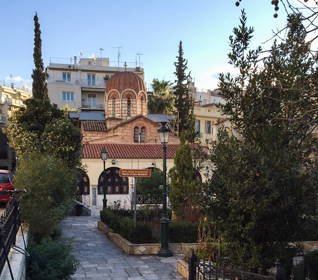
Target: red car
column 6, row 179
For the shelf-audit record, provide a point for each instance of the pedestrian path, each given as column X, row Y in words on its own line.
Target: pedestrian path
column 101, row 259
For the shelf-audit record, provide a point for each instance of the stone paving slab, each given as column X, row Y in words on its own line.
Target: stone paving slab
column 101, row 259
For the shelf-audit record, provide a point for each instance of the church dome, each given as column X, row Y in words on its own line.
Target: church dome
column 125, row 80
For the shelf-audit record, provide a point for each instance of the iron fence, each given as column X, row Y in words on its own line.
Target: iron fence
column 207, row 270
column 9, row 226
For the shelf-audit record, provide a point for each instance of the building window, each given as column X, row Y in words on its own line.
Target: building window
column 68, row 96
column 91, row 79
column 114, row 104
column 143, row 135
column 128, row 106
column 208, row 127
column 0, row 111
column 67, row 77
column 136, row 134
column 197, row 126
column 91, row 101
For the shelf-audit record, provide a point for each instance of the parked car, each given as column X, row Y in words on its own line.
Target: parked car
column 6, row 184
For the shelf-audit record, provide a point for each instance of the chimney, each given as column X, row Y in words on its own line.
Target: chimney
column 75, row 58
column 12, row 85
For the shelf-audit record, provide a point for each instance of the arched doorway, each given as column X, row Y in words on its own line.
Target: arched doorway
column 82, row 187
column 113, row 182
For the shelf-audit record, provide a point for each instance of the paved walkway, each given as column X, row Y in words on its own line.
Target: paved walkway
column 101, row 259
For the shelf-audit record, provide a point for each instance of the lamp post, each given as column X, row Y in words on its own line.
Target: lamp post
column 103, row 155
column 164, row 221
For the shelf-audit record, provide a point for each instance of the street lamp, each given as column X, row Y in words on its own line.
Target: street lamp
column 103, row 155
column 164, row 221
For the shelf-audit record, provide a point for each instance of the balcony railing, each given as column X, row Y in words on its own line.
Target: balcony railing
column 113, row 64
column 99, row 82
column 93, row 106
column 10, row 101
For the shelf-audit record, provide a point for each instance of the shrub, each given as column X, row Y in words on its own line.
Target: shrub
column 143, row 234
column 311, row 259
column 125, row 227
column 50, row 260
column 183, row 232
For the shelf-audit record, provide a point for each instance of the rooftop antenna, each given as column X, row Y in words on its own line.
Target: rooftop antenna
column 101, row 56
column 139, row 57
column 118, row 55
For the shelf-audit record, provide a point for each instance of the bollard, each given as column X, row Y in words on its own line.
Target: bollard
column 192, row 266
column 277, row 272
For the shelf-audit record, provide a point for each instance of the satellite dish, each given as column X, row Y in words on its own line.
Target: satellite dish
column 93, row 56
column 80, row 54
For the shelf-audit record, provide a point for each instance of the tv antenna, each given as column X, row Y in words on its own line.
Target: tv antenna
column 139, row 54
column 118, row 54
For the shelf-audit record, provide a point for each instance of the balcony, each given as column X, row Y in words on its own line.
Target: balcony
column 11, row 101
column 86, row 105
column 99, row 82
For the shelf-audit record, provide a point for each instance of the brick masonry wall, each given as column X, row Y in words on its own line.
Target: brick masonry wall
column 125, row 134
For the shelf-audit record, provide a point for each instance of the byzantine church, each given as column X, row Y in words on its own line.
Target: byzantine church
column 130, row 136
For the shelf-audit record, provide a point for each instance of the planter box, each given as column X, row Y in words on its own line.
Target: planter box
column 183, row 268
column 143, row 249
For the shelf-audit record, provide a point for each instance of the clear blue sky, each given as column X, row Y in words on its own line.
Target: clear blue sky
column 150, row 27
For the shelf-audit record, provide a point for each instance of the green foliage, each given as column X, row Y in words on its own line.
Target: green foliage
column 125, row 227
column 50, row 186
column 150, row 186
column 160, row 101
column 43, row 128
column 39, row 85
column 183, row 100
column 50, row 260
column 183, row 232
column 263, row 191
column 182, row 186
column 311, row 260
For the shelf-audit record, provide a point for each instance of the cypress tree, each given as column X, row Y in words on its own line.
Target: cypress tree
column 183, row 100
column 39, row 85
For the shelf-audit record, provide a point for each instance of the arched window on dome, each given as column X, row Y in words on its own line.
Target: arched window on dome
column 141, row 100
column 128, row 106
column 114, row 109
column 143, row 134
column 136, row 134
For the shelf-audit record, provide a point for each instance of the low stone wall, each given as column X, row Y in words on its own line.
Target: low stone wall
column 143, row 249
column 183, row 268
column 309, row 245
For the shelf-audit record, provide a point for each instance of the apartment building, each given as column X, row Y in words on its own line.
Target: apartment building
column 80, row 84
column 11, row 99
column 207, row 113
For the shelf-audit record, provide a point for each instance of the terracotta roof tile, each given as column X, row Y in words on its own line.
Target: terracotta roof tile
column 131, row 151
column 94, row 126
column 125, row 80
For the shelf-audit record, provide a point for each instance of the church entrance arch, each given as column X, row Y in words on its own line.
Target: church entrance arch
column 82, row 187
column 114, row 184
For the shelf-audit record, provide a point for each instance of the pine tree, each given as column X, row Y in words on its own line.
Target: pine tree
column 263, row 193
column 39, row 85
column 183, row 100
column 183, row 185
